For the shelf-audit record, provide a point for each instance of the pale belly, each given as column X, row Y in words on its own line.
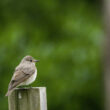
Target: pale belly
column 30, row 80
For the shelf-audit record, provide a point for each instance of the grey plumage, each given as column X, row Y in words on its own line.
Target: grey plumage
column 25, row 70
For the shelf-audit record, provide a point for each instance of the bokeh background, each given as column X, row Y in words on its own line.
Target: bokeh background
column 66, row 36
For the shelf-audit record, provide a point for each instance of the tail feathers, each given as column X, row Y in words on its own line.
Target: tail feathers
column 9, row 92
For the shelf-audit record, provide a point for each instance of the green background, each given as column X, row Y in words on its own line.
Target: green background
column 66, row 36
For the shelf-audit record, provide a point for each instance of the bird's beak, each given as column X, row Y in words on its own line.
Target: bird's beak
column 35, row 60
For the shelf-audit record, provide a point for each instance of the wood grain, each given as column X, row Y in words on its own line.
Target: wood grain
column 28, row 99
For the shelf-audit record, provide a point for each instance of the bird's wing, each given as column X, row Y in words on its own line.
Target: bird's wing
column 20, row 76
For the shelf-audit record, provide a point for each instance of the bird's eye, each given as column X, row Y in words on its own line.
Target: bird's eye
column 30, row 60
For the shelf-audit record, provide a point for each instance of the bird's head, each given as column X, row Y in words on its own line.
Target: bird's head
column 29, row 59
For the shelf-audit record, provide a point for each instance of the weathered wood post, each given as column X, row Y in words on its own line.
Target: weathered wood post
column 107, row 53
column 28, row 99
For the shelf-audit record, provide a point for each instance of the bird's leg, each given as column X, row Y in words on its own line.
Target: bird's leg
column 25, row 86
column 22, row 87
column 30, row 86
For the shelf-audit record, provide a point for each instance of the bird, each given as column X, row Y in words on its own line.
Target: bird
column 25, row 73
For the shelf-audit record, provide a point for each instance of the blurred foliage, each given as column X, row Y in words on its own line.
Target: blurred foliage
column 66, row 37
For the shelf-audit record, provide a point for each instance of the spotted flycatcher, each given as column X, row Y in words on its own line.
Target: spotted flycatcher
column 25, row 73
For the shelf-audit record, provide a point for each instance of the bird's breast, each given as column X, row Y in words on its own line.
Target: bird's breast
column 31, row 79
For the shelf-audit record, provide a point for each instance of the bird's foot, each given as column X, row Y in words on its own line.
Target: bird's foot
column 25, row 86
column 22, row 87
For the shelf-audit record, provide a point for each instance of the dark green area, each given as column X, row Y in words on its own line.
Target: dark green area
column 66, row 36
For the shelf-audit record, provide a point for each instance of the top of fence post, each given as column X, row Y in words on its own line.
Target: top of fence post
column 28, row 99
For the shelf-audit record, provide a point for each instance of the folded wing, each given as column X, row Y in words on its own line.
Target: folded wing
column 19, row 77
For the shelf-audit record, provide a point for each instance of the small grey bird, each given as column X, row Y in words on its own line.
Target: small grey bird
column 25, row 73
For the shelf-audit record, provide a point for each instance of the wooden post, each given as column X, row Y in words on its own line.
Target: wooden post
column 28, row 99
column 107, row 53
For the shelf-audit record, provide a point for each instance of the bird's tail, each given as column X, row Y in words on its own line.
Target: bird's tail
column 8, row 93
